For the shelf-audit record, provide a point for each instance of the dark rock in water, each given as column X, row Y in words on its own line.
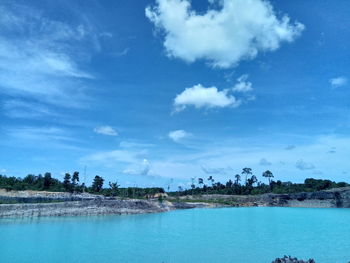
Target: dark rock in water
column 289, row 259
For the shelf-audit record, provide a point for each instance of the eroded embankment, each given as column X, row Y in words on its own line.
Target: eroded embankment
column 335, row 198
column 80, row 208
column 35, row 204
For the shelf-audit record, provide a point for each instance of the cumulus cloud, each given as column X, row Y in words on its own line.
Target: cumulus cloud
column 177, row 135
column 264, row 162
column 302, row 165
column 203, row 97
column 143, row 169
column 237, row 30
column 338, row 82
column 106, row 130
column 243, row 85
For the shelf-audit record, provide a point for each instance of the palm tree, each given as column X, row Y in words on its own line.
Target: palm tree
column 238, row 178
column 200, row 181
column 246, row 171
column 268, row 174
column 211, row 179
column 193, row 186
column 253, row 179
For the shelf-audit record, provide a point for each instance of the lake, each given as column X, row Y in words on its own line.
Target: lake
column 238, row 235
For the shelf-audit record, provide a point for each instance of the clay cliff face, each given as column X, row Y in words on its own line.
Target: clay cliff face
column 80, row 208
column 339, row 197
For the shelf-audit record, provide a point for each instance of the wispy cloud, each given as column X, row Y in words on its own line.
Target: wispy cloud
column 18, row 108
column 178, row 135
column 217, row 170
column 128, row 156
column 43, row 59
column 112, row 158
column 338, row 82
column 40, row 137
column 121, row 53
column 106, row 130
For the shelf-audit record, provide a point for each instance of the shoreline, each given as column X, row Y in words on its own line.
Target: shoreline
column 39, row 204
column 94, row 207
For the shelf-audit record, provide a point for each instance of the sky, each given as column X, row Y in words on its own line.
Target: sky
column 156, row 92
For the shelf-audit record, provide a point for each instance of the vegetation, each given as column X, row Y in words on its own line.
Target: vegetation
column 251, row 185
column 71, row 184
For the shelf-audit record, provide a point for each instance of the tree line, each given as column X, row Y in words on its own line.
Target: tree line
column 241, row 184
column 71, row 183
column 247, row 183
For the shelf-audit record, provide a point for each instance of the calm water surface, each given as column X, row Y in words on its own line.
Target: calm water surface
column 237, row 235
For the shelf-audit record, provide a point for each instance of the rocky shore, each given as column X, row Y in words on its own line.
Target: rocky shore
column 86, row 207
column 36, row 204
column 335, row 198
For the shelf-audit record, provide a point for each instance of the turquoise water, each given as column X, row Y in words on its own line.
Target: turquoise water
column 237, row 235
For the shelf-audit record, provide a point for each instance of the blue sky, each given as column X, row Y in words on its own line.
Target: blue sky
column 159, row 92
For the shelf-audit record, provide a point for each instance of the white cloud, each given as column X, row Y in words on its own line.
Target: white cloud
column 31, row 133
column 143, row 169
column 106, row 130
column 121, row 53
column 115, row 157
column 129, row 161
column 338, row 82
column 301, row 165
column 239, row 30
column 178, row 135
column 202, row 97
column 53, row 51
column 243, row 85
column 135, row 145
